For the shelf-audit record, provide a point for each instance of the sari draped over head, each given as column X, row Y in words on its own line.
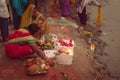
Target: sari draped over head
column 27, row 16
column 27, row 19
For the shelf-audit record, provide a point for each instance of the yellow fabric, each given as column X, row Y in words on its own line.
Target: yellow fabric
column 100, row 16
column 37, row 20
column 72, row 2
column 47, row 28
column 27, row 16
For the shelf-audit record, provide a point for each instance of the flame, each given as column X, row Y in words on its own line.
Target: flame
column 70, row 51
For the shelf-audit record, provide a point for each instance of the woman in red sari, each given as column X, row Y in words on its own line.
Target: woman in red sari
column 24, row 42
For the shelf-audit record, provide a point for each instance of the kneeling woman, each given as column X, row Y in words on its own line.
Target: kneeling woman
column 24, row 42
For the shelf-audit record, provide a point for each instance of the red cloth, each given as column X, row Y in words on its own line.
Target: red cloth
column 16, row 51
column 18, row 34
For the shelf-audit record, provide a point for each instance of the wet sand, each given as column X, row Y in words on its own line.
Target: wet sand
column 110, row 35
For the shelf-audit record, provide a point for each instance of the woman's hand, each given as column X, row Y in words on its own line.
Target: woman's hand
column 50, row 61
column 38, row 41
column 39, row 52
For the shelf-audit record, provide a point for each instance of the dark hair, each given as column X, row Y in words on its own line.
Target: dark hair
column 33, row 28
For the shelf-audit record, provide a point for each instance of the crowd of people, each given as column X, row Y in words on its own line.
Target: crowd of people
column 29, row 22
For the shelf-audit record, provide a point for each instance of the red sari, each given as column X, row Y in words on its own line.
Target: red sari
column 18, row 44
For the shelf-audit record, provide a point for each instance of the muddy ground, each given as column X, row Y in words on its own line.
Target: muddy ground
column 85, row 64
column 84, row 67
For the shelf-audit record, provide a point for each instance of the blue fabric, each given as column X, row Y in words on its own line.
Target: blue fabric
column 19, row 6
column 16, row 19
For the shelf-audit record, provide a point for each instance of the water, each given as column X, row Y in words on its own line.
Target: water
column 111, row 34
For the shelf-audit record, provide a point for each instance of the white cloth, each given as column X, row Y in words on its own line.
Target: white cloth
column 84, row 3
column 3, row 9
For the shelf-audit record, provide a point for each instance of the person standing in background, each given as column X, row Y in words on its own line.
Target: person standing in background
column 10, row 11
column 42, row 6
column 55, row 4
column 4, row 15
column 81, row 9
column 18, row 7
column 65, row 7
column 47, row 7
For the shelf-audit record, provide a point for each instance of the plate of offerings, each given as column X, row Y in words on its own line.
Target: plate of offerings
column 47, row 41
column 36, row 66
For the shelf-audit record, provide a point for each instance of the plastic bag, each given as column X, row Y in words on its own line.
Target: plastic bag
column 100, row 16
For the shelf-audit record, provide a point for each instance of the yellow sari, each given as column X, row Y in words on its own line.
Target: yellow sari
column 27, row 18
column 100, row 17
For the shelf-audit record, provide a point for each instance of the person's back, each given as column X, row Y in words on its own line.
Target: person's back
column 24, row 42
column 18, row 7
column 81, row 9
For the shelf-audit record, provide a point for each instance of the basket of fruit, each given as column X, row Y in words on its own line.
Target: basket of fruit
column 47, row 41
